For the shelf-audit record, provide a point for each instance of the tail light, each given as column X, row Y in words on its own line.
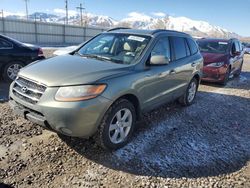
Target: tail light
column 40, row 52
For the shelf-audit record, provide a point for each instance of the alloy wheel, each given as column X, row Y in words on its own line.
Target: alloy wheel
column 120, row 126
column 13, row 70
column 192, row 91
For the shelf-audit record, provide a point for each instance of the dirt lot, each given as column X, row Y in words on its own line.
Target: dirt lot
column 204, row 145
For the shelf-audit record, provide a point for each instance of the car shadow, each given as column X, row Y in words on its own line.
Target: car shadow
column 4, row 91
column 241, row 82
column 202, row 140
column 2, row 185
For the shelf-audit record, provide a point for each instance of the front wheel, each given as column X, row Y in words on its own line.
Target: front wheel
column 227, row 76
column 117, row 125
column 188, row 98
column 11, row 70
column 237, row 74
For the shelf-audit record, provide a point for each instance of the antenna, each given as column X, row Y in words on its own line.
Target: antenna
column 81, row 9
column 26, row 6
column 67, row 15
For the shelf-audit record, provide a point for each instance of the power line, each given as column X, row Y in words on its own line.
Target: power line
column 81, row 9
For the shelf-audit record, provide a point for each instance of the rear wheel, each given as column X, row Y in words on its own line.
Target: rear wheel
column 117, row 125
column 189, row 96
column 11, row 70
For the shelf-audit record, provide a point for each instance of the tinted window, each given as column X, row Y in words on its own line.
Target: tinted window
column 240, row 46
column 213, row 46
column 237, row 47
column 179, row 47
column 188, row 52
column 162, row 48
column 5, row 44
column 193, row 46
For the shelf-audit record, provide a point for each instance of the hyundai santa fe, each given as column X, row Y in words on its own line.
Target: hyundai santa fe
column 101, row 89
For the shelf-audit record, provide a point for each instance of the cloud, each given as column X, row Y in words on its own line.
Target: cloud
column 138, row 16
column 63, row 12
column 6, row 13
column 159, row 14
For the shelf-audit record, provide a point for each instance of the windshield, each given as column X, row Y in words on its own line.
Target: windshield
column 213, row 46
column 116, row 47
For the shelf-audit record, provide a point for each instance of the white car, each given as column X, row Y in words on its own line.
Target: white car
column 66, row 50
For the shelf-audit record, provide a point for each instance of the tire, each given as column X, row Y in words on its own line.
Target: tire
column 11, row 70
column 186, row 99
column 237, row 74
column 110, row 128
column 224, row 82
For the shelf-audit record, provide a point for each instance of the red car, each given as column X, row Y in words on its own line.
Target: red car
column 223, row 58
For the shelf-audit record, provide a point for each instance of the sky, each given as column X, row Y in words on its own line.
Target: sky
column 233, row 15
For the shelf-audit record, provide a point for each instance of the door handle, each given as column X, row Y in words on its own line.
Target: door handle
column 193, row 64
column 172, row 72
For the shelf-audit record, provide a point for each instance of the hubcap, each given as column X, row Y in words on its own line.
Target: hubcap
column 120, row 126
column 13, row 70
column 191, row 91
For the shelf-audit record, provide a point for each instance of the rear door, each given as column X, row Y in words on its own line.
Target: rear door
column 182, row 64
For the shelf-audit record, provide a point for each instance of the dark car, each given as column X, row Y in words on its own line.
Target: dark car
column 14, row 55
column 223, row 58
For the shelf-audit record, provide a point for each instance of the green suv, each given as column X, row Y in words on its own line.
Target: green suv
column 102, row 88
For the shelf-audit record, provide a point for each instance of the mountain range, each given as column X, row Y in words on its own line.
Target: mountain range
column 136, row 20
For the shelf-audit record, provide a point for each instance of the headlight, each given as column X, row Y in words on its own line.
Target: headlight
column 218, row 64
column 79, row 93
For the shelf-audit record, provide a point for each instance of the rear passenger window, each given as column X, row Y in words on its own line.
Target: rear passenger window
column 193, row 46
column 187, row 48
column 162, row 48
column 179, row 47
column 237, row 47
column 240, row 46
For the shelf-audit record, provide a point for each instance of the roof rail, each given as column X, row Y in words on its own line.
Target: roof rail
column 117, row 28
column 162, row 30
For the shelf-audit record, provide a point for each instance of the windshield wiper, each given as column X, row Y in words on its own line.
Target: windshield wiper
column 99, row 57
column 95, row 56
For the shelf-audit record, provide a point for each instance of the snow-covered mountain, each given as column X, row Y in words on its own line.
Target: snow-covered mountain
column 135, row 20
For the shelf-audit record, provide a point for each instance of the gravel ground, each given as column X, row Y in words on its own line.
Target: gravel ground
column 204, row 145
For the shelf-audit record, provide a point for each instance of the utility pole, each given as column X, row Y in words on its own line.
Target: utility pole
column 2, row 14
column 81, row 9
column 67, row 14
column 27, row 12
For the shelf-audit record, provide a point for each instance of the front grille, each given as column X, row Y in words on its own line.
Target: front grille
column 27, row 90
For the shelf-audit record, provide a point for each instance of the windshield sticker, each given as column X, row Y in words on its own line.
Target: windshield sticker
column 225, row 43
column 136, row 38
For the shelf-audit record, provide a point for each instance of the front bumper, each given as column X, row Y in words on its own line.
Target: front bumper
column 77, row 119
column 214, row 74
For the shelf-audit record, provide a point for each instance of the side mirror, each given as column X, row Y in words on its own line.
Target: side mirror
column 159, row 60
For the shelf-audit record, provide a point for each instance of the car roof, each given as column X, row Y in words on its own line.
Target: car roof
column 145, row 31
column 216, row 39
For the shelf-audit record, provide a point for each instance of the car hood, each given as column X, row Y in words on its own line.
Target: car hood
column 71, row 70
column 213, row 58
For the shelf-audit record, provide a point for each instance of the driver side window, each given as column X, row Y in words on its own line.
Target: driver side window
column 162, row 47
